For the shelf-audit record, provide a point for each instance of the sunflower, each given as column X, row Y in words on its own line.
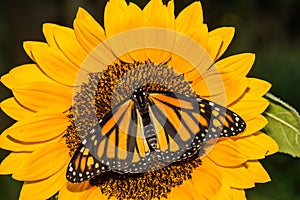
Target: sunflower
column 75, row 82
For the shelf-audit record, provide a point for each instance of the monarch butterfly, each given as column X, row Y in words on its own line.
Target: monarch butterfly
column 151, row 126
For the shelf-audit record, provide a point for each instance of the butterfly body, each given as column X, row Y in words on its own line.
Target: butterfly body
column 151, row 127
column 141, row 103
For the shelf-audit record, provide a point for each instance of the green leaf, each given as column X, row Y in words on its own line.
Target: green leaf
column 283, row 126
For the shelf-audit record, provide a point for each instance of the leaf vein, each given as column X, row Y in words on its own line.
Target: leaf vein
column 285, row 136
column 282, row 122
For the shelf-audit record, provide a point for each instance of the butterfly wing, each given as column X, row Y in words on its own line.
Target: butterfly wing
column 116, row 143
column 118, row 140
column 183, row 123
column 83, row 166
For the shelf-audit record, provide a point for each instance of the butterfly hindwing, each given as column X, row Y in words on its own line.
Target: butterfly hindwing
column 83, row 166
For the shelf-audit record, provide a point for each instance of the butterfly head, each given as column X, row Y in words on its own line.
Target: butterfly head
column 139, row 96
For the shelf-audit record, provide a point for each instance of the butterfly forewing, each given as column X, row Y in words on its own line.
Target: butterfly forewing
column 118, row 141
column 185, row 123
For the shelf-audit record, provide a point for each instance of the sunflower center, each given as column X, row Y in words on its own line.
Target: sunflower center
column 153, row 184
column 99, row 96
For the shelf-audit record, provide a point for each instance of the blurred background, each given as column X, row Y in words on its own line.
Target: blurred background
column 269, row 28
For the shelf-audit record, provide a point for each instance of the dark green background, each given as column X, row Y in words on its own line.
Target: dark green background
column 269, row 28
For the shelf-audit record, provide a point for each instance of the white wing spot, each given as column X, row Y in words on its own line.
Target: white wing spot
column 84, row 141
column 82, row 149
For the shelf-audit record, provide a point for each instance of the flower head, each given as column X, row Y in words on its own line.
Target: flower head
column 144, row 109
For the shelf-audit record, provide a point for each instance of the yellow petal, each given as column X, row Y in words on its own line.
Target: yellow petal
column 254, row 125
column 238, row 177
column 219, row 46
column 111, row 20
column 13, row 161
column 235, row 85
column 88, row 32
column 43, row 162
column 258, row 87
column 199, row 34
column 13, row 109
column 133, row 18
column 41, row 126
column 97, row 61
column 258, row 173
column 249, row 106
column 153, row 6
column 240, row 63
column 42, row 95
column 94, row 194
column 9, row 81
column 130, row 46
column 24, row 74
column 86, row 39
column 73, row 191
column 171, row 7
column 43, row 189
column 113, row 25
column 189, row 18
column 48, row 33
column 28, row 46
column 11, row 144
column 189, row 188
column 180, row 65
column 189, row 57
column 140, row 39
column 216, row 84
column 268, row 142
column 55, row 65
column 238, row 194
column 207, row 180
column 132, row 13
column 224, row 192
column 252, row 147
column 119, row 3
column 178, row 194
column 226, row 153
column 161, row 18
column 213, row 46
column 68, row 44
column 88, row 193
